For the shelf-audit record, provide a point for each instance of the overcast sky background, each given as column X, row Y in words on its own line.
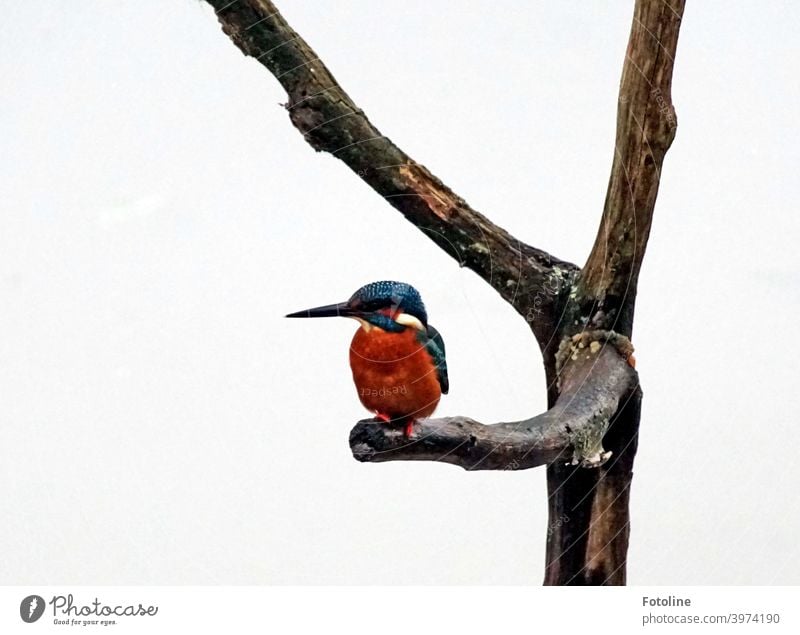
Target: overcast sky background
column 161, row 423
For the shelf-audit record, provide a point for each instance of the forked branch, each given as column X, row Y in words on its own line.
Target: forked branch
column 596, row 389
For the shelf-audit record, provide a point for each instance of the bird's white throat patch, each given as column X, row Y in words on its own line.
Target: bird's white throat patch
column 364, row 324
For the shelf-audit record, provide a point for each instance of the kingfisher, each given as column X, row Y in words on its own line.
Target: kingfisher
column 397, row 358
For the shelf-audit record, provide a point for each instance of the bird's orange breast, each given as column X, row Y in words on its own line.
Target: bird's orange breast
column 394, row 374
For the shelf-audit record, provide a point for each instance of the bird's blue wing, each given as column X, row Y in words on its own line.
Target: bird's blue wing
column 435, row 346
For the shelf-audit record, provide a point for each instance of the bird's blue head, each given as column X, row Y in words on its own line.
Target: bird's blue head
column 389, row 296
column 389, row 305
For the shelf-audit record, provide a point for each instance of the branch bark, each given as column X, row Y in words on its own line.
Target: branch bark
column 646, row 125
column 527, row 277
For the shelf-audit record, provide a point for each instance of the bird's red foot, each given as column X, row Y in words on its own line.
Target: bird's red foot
column 383, row 417
column 408, row 430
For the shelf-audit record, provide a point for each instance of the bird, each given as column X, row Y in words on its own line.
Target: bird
column 397, row 358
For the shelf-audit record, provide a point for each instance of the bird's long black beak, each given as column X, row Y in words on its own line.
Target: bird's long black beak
column 331, row 310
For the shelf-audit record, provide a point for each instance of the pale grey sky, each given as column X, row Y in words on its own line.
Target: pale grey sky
column 161, row 423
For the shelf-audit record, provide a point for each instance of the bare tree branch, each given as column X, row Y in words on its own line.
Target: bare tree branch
column 592, row 387
column 646, row 124
column 528, row 278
